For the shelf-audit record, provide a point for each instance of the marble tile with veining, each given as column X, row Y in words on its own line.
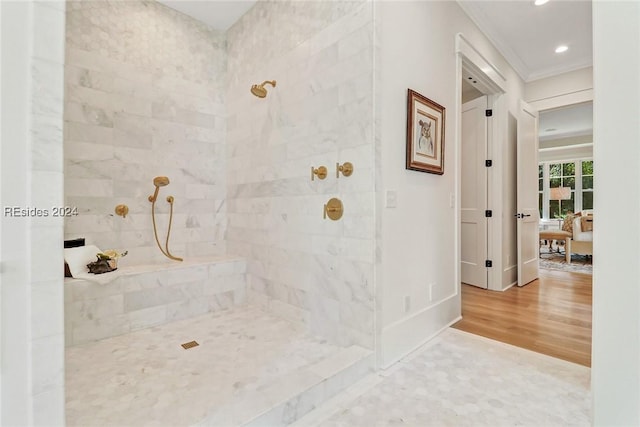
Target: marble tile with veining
column 146, row 377
column 460, row 379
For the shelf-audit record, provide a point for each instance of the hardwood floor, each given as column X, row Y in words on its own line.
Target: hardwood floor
column 551, row 315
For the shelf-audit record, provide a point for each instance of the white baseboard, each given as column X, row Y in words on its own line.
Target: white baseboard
column 405, row 336
column 510, row 286
column 509, row 275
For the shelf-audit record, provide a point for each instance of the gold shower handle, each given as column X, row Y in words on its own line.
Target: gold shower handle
column 321, row 172
column 346, row 168
column 122, row 210
column 333, row 209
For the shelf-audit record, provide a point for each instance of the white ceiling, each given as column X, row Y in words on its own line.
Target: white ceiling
column 574, row 120
column 217, row 14
column 527, row 35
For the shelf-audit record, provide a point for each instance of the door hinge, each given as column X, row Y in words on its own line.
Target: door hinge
column 488, row 213
column 488, row 263
column 488, row 163
column 488, row 113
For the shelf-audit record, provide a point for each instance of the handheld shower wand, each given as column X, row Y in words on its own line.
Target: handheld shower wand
column 158, row 181
column 161, row 181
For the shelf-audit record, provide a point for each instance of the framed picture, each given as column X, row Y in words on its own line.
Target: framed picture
column 425, row 134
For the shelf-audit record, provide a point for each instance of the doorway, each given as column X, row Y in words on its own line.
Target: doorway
column 478, row 203
column 498, row 190
column 474, row 187
column 566, row 186
column 552, row 314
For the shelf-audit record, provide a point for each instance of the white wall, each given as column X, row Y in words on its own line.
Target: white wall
column 571, row 152
column 616, row 244
column 505, row 273
column 32, row 350
column 509, row 254
column 573, row 87
column 301, row 266
column 567, row 142
column 418, row 238
column 141, row 102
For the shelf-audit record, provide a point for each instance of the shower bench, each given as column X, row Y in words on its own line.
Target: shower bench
column 144, row 296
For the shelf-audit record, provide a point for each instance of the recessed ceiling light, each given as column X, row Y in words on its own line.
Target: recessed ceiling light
column 540, row 2
column 562, row 48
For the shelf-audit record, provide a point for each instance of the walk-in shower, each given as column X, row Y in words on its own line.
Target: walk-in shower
column 161, row 181
column 283, row 321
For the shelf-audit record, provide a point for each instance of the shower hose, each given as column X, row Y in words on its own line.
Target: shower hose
column 155, row 230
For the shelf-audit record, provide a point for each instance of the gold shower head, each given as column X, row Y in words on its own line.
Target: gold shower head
column 259, row 90
column 160, row 181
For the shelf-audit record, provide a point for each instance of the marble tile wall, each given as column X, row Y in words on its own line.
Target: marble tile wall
column 144, row 96
column 300, row 265
column 141, row 299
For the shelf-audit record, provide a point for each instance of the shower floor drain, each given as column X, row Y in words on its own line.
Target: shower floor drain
column 189, row 345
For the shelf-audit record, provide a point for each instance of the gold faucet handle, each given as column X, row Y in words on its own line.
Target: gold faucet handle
column 122, row 210
column 333, row 209
column 346, row 168
column 321, row 172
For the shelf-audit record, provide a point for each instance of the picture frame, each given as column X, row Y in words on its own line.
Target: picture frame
column 425, row 134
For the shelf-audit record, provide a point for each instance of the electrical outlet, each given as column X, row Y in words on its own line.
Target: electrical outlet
column 407, row 303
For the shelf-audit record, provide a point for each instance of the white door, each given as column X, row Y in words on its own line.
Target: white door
column 527, row 204
column 473, row 230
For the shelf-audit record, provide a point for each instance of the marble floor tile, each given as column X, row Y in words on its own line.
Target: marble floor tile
column 147, row 378
column 459, row 379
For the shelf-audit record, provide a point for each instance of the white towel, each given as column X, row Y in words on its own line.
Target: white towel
column 78, row 258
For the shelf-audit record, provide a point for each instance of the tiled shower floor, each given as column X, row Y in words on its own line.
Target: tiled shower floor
column 147, row 378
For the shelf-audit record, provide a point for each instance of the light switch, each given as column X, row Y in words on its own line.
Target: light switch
column 452, row 200
column 391, row 199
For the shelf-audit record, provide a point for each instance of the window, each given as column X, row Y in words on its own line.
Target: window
column 576, row 175
column 562, row 175
column 587, row 184
column 540, row 187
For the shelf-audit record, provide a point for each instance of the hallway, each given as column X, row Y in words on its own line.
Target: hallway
column 552, row 315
